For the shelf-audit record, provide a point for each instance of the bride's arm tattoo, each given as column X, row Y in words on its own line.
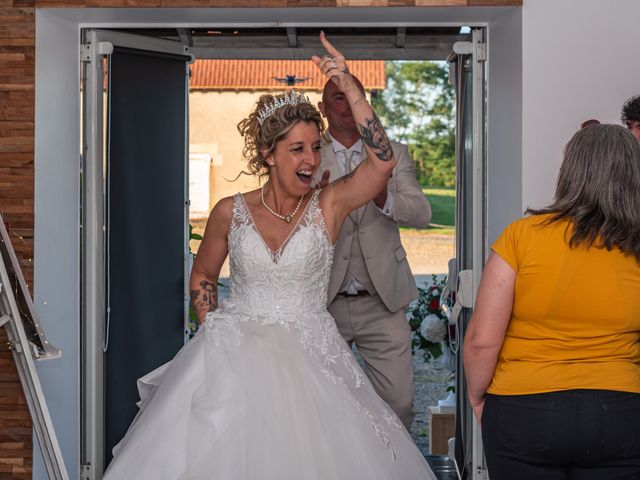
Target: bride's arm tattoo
column 206, row 298
column 347, row 177
column 374, row 136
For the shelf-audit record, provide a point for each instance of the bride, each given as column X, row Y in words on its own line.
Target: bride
column 268, row 390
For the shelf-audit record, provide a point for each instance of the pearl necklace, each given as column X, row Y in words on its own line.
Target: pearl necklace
column 286, row 218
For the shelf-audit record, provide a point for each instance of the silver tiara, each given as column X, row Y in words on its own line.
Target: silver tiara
column 293, row 97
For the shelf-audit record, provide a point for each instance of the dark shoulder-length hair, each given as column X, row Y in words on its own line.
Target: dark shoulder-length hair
column 598, row 189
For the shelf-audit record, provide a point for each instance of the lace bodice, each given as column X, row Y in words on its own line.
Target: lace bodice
column 283, row 284
column 289, row 288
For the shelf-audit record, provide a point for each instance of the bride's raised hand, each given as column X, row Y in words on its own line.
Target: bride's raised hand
column 370, row 178
column 334, row 66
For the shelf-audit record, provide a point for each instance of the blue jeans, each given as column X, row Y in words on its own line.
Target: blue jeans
column 566, row 435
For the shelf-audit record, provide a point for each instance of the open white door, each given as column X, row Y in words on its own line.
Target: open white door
column 134, row 226
column 468, row 67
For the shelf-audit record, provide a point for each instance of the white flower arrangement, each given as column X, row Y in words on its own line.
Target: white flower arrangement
column 433, row 328
column 431, row 333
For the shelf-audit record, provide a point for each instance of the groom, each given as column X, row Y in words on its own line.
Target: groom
column 371, row 281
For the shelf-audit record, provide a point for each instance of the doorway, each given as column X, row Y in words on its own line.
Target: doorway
column 398, row 43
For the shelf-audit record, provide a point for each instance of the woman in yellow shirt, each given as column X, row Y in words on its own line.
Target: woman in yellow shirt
column 552, row 353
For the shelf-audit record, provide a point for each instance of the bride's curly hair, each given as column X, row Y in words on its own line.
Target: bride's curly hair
column 275, row 127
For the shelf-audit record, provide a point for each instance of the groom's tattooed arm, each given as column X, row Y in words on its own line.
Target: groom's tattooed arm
column 374, row 136
column 205, row 299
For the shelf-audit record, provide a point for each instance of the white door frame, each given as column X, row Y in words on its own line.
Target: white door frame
column 58, row 122
column 98, row 45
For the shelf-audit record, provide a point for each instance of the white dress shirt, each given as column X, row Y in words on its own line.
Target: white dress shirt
column 348, row 159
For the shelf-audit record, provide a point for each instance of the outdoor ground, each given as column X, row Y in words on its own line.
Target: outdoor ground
column 429, row 251
column 431, row 386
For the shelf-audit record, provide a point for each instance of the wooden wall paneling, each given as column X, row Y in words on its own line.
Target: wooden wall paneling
column 259, row 3
column 402, row 3
column 256, row 3
column 494, row 3
column 363, row 3
column 17, row 65
column 15, row 423
column 120, row 3
column 196, row 3
column 311, row 3
column 59, row 3
column 441, row 3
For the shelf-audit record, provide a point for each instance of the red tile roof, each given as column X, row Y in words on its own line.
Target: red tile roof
column 259, row 74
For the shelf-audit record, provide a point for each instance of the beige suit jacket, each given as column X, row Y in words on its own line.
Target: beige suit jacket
column 379, row 235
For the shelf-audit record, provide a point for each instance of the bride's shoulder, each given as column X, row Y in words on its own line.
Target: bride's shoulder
column 252, row 197
column 222, row 212
column 224, row 206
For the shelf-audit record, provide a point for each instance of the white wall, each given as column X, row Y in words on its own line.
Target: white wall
column 580, row 60
column 57, row 237
column 504, row 120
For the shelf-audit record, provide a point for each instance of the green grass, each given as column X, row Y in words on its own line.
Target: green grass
column 443, row 206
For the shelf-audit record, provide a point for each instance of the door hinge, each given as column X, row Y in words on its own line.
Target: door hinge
column 85, row 52
column 481, row 52
column 481, row 474
column 86, row 472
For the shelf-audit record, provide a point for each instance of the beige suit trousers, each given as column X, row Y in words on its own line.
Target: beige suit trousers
column 383, row 340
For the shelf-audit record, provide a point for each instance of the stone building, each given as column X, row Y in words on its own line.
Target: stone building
column 223, row 92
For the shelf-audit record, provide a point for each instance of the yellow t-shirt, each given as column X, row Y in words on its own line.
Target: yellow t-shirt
column 576, row 314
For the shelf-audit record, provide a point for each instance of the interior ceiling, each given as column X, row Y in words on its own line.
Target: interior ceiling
column 291, row 43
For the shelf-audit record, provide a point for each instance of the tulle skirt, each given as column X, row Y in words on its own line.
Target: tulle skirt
column 250, row 401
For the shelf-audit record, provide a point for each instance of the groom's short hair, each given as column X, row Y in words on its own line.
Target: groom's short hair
column 357, row 80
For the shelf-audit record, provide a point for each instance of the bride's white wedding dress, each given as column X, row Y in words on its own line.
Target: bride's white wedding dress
column 268, row 389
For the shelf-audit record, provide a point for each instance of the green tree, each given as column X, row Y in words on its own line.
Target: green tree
column 417, row 108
